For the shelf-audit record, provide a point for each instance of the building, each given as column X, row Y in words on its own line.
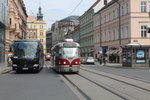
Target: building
column 36, row 28
column 87, row 32
column 3, row 26
column 121, row 24
column 96, row 27
column 49, row 41
column 17, row 23
column 63, row 29
column 75, row 33
column 31, row 27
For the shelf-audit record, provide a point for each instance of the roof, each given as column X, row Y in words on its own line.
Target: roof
column 70, row 18
column 31, row 18
column 109, row 4
column 94, row 4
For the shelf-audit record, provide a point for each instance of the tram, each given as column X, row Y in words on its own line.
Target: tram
column 66, row 56
column 27, row 55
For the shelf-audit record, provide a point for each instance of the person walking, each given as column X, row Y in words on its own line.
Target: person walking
column 105, row 60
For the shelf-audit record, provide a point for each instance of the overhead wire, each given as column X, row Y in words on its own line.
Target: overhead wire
column 76, row 7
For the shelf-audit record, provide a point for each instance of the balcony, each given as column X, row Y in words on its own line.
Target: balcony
column 11, row 10
column 12, row 28
column 17, row 31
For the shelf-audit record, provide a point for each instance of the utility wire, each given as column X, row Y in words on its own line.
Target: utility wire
column 76, row 7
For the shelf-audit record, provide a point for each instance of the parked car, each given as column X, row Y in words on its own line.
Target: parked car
column 48, row 56
column 90, row 60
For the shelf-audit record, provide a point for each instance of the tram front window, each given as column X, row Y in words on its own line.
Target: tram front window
column 25, row 50
column 70, row 52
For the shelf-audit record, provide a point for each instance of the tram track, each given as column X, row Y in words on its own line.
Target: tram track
column 77, row 88
column 148, row 90
column 138, row 79
column 123, row 86
column 87, row 96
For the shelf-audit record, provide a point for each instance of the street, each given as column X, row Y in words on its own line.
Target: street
column 94, row 82
column 45, row 85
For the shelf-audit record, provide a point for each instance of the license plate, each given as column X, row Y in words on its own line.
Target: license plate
column 25, row 68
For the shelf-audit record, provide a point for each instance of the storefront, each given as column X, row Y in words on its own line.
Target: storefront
column 136, row 55
column 2, row 42
column 114, row 54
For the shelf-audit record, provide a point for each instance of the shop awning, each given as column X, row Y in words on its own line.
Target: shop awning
column 110, row 52
column 120, row 52
column 116, row 52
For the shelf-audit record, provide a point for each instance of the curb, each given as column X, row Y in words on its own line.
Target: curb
column 127, row 67
column 6, row 71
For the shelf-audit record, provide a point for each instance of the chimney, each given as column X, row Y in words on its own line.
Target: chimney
column 105, row 2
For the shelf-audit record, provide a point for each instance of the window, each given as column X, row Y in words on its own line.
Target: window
column 126, row 32
column 113, row 14
column 144, row 31
column 109, row 17
column 122, row 11
column 127, row 8
column 114, row 34
column 110, row 37
column 105, row 19
column 10, row 21
column 122, row 32
column 117, row 33
column 143, row 6
column 117, row 12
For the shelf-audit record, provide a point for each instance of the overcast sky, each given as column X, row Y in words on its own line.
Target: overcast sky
column 57, row 9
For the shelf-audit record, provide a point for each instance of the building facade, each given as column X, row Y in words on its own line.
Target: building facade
column 17, row 22
column 76, row 33
column 120, row 24
column 36, row 28
column 49, row 41
column 63, row 29
column 87, row 32
column 3, row 25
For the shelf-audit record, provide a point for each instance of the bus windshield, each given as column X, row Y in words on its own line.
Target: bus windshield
column 25, row 50
column 70, row 52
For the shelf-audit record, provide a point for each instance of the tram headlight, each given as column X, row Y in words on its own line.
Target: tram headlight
column 64, row 62
column 76, row 62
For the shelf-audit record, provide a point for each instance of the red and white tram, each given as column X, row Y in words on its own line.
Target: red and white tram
column 66, row 56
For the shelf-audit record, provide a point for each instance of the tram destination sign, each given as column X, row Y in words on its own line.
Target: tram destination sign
column 70, row 45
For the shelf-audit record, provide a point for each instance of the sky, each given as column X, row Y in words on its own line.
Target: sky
column 55, row 10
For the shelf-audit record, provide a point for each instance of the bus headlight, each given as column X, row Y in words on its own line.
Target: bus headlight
column 36, row 65
column 14, row 65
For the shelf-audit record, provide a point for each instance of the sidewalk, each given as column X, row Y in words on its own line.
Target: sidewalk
column 116, row 65
column 4, row 68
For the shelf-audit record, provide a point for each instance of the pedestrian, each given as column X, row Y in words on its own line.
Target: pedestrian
column 105, row 60
column 9, row 61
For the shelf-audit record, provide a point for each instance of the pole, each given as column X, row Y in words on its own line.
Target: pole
column 119, row 24
column 100, row 55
